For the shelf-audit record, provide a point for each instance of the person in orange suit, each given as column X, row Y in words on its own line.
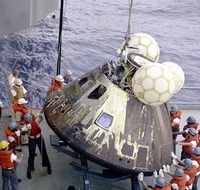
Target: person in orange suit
column 8, row 162
column 56, row 84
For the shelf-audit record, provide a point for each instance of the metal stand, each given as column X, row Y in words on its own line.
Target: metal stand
column 107, row 176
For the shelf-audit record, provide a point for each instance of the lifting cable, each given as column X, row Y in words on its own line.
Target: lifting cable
column 127, row 36
column 60, row 37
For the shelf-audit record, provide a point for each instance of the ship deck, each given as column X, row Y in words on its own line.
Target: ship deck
column 63, row 174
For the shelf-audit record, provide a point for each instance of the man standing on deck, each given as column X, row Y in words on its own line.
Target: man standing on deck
column 7, row 161
column 56, row 84
column 14, row 137
column 68, row 76
column 189, row 143
column 175, row 116
column 35, row 138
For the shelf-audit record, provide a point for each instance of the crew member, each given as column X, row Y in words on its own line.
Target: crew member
column 13, row 135
column 175, row 116
column 160, row 183
column 67, row 76
column 57, row 83
column 7, row 161
column 21, row 108
column 191, row 123
column 178, row 177
column 35, row 138
column 196, row 157
column 189, row 143
column 190, row 169
column 18, row 91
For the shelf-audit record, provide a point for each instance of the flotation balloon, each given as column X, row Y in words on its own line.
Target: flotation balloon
column 144, row 45
column 153, row 84
column 179, row 76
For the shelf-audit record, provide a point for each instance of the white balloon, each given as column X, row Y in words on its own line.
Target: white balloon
column 145, row 45
column 178, row 74
column 153, row 84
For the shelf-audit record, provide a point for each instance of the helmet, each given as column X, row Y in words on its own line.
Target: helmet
column 59, row 78
column 18, row 81
column 173, row 108
column 68, row 72
column 159, row 181
column 28, row 117
column 192, row 131
column 22, row 101
column 187, row 162
column 197, row 151
column 179, row 172
column 191, row 119
column 12, row 126
column 3, row 144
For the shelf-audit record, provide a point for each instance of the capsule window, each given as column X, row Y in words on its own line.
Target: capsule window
column 97, row 92
column 104, row 120
column 83, row 81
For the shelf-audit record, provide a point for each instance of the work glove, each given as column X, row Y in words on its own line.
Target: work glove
column 155, row 174
column 29, row 126
column 11, row 139
column 141, row 176
column 173, row 155
column 165, row 168
column 161, row 174
column 24, row 128
column 174, row 186
column 17, row 133
column 168, row 168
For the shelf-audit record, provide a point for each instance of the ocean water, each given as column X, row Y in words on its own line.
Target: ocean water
column 92, row 32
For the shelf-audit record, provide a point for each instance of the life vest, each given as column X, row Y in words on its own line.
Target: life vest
column 192, row 173
column 20, row 108
column 5, row 161
column 192, row 125
column 166, row 187
column 180, row 181
column 55, row 85
column 189, row 138
column 35, row 129
column 196, row 158
column 13, row 144
column 175, row 115
column 19, row 93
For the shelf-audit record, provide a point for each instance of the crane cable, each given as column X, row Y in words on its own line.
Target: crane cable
column 60, row 37
column 127, row 36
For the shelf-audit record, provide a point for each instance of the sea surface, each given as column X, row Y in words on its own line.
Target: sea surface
column 93, row 30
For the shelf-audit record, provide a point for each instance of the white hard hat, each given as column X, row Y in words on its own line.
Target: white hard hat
column 59, row 78
column 18, row 81
column 22, row 101
column 68, row 72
